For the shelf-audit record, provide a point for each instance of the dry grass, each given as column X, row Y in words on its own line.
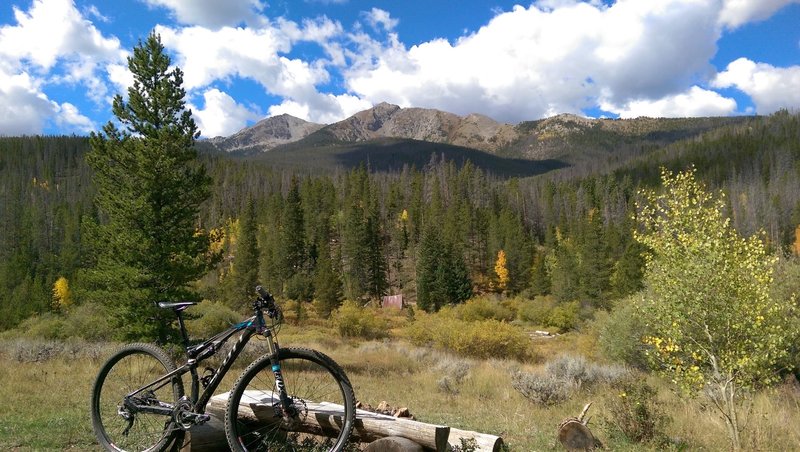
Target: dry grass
column 45, row 400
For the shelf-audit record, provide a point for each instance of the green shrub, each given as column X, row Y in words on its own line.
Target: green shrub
column 210, row 318
column 537, row 311
column 90, row 321
column 565, row 316
column 45, row 326
column 485, row 308
column 351, row 320
column 548, row 312
column 480, row 339
column 633, row 413
column 620, row 335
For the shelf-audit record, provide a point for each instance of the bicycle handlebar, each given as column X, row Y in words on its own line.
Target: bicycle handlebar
column 266, row 301
column 263, row 294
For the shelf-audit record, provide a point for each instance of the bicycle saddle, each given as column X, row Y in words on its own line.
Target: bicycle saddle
column 179, row 306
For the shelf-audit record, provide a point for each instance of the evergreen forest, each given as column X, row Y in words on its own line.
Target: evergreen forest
column 439, row 233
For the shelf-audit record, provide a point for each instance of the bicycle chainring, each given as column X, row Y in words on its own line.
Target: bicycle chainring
column 183, row 413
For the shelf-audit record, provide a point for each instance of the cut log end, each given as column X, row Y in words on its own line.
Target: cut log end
column 575, row 436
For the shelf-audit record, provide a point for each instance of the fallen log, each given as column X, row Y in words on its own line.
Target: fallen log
column 326, row 419
column 483, row 441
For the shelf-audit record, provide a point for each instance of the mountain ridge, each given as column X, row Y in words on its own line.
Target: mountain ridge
column 552, row 137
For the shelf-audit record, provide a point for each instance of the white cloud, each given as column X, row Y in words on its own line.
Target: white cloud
column 693, row 103
column 69, row 118
column 560, row 57
column 52, row 30
column 258, row 54
column 23, row 107
column 51, row 43
column 380, row 19
column 735, row 13
column 221, row 115
column 771, row 88
column 121, row 77
column 213, row 13
column 321, row 108
column 207, row 55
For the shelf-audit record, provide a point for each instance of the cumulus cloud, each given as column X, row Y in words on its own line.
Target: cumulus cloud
column 629, row 57
column 207, row 56
column 23, row 107
column 321, row 108
column 735, row 13
column 549, row 58
column 221, row 115
column 771, row 88
column 52, row 30
column 69, row 118
column 380, row 19
column 212, row 13
column 51, row 43
column 693, row 103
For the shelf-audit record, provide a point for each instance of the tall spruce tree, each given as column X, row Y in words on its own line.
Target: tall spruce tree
column 149, row 187
column 246, row 260
column 442, row 275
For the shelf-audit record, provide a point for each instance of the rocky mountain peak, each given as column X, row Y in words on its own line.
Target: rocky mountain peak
column 267, row 134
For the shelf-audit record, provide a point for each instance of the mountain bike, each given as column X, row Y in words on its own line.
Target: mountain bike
column 288, row 399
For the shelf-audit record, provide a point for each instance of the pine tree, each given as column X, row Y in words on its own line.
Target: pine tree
column 593, row 267
column 430, row 296
column 540, row 280
column 327, row 283
column 442, row 275
column 377, row 264
column 149, row 186
column 246, row 260
column 293, row 232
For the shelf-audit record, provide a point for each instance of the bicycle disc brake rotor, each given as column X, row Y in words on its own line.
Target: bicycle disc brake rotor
column 293, row 417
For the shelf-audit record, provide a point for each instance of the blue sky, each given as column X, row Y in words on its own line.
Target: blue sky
column 62, row 61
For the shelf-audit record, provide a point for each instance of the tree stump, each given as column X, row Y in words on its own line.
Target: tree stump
column 574, row 433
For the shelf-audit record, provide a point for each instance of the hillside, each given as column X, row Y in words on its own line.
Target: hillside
column 551, row 207
column 389, row 136
column 265, row 135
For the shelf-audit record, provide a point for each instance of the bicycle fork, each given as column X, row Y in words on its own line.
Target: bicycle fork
column 288, row 410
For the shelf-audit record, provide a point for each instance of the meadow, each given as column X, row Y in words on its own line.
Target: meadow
column 46, row 386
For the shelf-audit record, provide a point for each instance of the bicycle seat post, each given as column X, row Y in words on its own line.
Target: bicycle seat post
column 184, row 334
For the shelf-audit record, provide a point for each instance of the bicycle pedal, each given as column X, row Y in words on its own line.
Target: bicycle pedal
column 201, row 419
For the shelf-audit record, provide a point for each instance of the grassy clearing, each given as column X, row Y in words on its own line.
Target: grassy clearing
column 46, row 388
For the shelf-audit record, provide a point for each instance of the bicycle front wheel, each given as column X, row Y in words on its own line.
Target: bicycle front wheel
column 131, row 368
column 321, row 409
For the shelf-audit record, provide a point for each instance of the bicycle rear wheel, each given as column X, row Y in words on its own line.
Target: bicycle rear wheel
column 322, row 409
column 130, row 368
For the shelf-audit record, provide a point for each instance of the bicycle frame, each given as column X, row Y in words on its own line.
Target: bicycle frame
column 199, row 353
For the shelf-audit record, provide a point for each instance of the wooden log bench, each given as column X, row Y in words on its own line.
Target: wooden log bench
column 386, row 432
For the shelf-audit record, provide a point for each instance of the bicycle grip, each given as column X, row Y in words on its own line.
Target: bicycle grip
column 263, row 293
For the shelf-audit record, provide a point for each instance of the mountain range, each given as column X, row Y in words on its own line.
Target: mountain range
column 388, row 136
